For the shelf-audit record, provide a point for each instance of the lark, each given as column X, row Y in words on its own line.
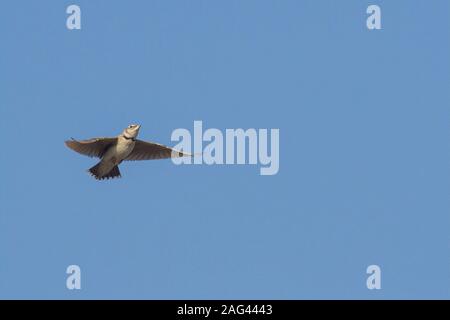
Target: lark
column 124, row 147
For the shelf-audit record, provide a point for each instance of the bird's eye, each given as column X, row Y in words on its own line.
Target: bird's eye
column 130, row 126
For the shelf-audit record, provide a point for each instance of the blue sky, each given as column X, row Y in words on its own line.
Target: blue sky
column 364, row 153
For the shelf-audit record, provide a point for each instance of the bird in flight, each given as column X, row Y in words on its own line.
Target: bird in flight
column 112, row 151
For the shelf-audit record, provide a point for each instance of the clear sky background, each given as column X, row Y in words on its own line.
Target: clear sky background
column 364, row 149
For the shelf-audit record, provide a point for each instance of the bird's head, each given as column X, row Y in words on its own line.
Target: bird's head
column 131, row 131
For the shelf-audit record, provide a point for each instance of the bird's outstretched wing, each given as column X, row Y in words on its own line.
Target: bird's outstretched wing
column 95, row 147
column 149, row 151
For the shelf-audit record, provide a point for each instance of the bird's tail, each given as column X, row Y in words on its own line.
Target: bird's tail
column 96, row 172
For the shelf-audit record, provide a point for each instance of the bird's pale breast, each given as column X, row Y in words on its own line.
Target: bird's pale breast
column 120, row 151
